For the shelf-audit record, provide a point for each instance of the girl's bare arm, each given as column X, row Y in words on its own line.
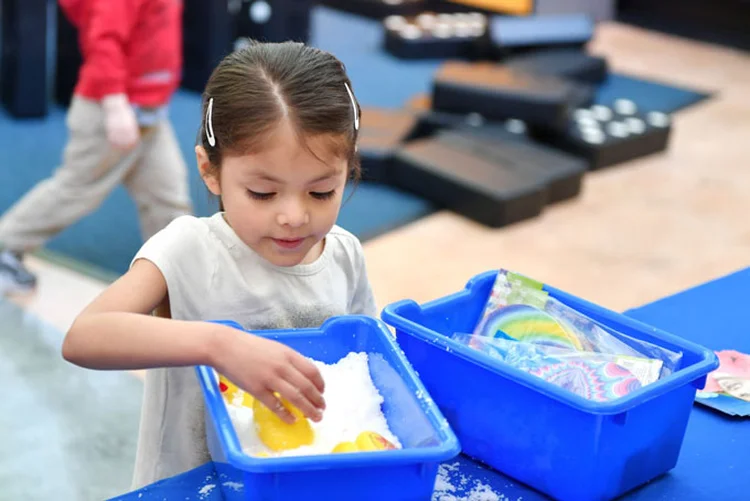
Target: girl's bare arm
column 117, row 331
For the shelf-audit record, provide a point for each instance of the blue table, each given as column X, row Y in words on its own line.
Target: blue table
column 715, row 458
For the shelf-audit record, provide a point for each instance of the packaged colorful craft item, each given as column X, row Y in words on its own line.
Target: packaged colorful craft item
column 599, row 377
column 526, row 327
column 728, row 387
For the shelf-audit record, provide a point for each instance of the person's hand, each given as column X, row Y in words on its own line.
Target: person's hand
column 263, row 367
column 120, row 121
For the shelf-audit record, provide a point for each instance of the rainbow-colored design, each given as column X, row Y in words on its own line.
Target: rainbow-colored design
column 520, row 322
column 526, row 328
column 592, row 379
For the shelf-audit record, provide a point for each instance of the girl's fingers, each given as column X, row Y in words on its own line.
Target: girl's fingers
column 306, row 388
column 309, row 371
column 274, row 404
column 296, row 398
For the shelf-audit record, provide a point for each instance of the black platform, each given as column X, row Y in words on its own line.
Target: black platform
column 432, row 35
column 561, row 172
column 573, row 64
column 607, row 136
column 499, row 92
column 469, row 184
column 381, row 133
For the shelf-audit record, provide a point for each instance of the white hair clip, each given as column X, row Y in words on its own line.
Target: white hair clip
column 354, row 106
column 209, row 123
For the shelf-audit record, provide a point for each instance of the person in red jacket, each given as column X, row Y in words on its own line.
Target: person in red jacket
column 119, row 131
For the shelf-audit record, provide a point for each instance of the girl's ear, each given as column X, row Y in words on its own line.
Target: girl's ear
column 208, row 172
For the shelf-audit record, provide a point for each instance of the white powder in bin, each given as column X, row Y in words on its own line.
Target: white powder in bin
column 353, row 405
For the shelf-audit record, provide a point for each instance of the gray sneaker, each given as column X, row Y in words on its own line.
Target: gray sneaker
column 14, row 277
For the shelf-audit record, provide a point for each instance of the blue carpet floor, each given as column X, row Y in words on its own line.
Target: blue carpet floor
column 30, row 150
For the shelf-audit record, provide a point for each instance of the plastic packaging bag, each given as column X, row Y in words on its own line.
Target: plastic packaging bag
column 525, row 327
column 519, row 309
column 599, row 377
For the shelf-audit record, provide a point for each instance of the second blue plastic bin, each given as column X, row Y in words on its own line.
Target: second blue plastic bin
column 406, row 474
column 559, row 443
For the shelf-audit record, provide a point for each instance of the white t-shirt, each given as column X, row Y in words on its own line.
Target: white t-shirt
column 212, row 275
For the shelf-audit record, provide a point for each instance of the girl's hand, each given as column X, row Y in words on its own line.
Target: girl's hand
column 263, row 367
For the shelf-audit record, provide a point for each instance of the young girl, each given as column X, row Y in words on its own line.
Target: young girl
column 278, row 142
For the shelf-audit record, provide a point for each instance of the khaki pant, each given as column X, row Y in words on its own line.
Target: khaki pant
column 154, row 173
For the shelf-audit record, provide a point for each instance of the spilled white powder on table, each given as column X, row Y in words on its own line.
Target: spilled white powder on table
column 352, row 406
column 449, row 482
column 235, row 486
column 206, row 490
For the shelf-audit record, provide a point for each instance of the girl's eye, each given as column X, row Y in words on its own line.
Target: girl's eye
column 322, row 195
column 260, row 196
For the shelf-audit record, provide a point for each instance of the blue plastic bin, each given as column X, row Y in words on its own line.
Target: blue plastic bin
column 404, row 474
column 554, row 441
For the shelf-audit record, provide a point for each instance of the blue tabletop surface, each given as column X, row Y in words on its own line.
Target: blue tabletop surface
column 715, row 458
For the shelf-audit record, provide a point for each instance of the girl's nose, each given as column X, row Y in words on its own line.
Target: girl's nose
column 293, row 214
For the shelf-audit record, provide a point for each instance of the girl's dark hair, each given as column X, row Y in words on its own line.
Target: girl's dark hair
column 257, row 86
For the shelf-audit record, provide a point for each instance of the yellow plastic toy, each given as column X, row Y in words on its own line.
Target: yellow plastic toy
column 365, row 441
column 371, row 441
column 230, row 391
column 345, row 447
column 278, row 435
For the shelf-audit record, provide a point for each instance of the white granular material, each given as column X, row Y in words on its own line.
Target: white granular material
column 205, row 490
column 446, row 490
column 442, row 484
column 235, row 486
column 353, row 405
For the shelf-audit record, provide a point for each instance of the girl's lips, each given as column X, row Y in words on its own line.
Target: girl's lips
column 288, row 244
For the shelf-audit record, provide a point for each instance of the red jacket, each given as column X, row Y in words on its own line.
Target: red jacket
column 128, row 46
